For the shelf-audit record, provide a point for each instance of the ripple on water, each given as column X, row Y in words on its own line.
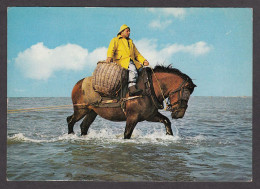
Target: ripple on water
column 208, row 145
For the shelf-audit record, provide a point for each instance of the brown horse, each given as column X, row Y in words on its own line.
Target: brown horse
column 167, row 82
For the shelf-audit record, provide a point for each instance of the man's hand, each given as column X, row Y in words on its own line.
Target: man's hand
column 109, row 59
column 146, row 63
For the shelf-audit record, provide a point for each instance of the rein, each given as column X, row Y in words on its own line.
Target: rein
column 180, row 97
column 160, row 89
column 168, row 106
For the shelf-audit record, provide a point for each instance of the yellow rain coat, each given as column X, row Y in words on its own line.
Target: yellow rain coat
column 122, row 50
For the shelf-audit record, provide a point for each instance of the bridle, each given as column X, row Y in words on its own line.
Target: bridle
column 185, row 92
column 183, row 97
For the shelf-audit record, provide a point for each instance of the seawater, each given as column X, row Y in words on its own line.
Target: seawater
column 213, row 142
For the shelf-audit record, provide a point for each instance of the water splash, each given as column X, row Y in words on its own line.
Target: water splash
column 104, row 135
column 21, row 138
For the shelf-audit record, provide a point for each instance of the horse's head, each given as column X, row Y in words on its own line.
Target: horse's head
column 178, row 99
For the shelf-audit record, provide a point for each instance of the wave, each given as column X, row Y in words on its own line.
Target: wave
column 108, row 135
column 21, row 138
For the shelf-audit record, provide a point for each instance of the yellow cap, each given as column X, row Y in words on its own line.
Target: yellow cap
column 123, row 27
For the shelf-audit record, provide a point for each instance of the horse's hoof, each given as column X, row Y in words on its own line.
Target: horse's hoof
column 71, row 133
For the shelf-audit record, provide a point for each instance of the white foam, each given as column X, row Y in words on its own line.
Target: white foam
column 104, row 133
column 195, row 140
column 198, row 138
column 107, row 134
column 67, row 137
column 154, row 135
column 21, row 137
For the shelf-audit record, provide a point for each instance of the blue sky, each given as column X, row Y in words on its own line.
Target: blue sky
column 50, row 49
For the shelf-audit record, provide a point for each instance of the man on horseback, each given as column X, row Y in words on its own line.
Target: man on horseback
column 123, row 51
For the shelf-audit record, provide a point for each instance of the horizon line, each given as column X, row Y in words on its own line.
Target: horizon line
column 70, row 97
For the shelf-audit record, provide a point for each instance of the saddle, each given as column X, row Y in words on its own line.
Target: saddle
column 97, row 99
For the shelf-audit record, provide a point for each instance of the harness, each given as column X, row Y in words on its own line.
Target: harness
column 183, row 97
column 120, row 101
column 149, row 89
column 183, row 93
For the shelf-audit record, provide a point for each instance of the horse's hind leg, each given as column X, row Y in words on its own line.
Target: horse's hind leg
column 70, row 124
column 78, row 115
column 89, row 118
column 131, row 122
column 163, row 119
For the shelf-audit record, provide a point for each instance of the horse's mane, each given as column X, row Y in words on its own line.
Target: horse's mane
column 170, row 69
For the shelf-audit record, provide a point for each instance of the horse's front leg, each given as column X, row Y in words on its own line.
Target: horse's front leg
column 163, row 119
column 130, row 125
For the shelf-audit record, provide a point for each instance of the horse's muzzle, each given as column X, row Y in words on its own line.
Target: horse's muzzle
column 178, row 114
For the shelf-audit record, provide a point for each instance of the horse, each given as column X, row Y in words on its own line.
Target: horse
column 167, row 82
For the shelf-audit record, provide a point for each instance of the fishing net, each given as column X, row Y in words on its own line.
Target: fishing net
column 108, row 78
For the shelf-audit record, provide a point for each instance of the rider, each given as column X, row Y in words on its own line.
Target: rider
column 123, row 51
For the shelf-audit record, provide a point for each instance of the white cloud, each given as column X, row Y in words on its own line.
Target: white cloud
column 198, row 48
column 165, row 15
column 97, row 55
column 148, row 49
column 175, row 12
column 227, row 33
column 157, row 24
column 20, row 90
column 40, row 62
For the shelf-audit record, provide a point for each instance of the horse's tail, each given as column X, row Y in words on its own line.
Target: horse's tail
column 77, row 93
column 79, row 106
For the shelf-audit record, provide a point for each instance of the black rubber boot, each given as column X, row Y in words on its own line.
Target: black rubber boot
column 133, row 91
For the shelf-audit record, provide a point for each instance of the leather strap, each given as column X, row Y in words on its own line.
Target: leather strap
column 150, row 89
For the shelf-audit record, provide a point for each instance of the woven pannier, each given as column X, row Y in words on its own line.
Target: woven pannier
column 108, row 77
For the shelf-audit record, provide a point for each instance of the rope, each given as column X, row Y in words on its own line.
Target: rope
column 35, row 110
column 42, row 108
column 166, row 106
column 69, row 106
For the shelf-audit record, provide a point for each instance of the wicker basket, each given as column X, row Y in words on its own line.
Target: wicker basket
column 108, row 77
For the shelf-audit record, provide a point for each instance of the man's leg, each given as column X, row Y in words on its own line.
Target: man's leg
column 133, row 75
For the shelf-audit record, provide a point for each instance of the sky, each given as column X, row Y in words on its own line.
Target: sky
column 49, row 49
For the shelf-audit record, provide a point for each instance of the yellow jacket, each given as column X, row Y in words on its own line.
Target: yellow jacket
column 122, row 50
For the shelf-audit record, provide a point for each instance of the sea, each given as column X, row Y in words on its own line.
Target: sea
column 211, row 143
